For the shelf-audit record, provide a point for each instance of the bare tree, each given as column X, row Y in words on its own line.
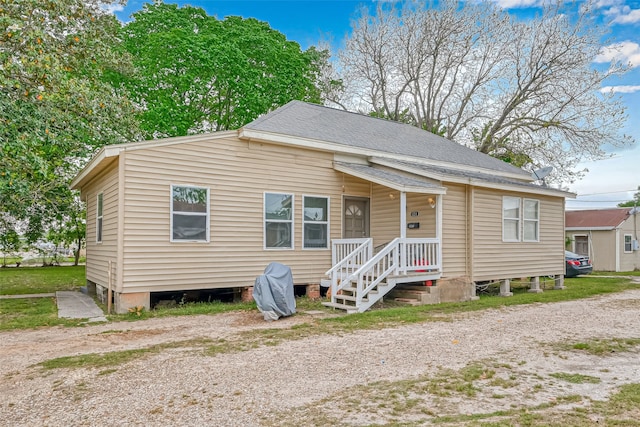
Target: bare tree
column 525, row 92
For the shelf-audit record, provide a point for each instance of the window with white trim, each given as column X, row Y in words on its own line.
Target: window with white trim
column 315, row 220
column 99, row 217
column 520, row 219
column 189, row 213
column 628, row 243
column 531, row 220
column 278, row 221
column 511, row 219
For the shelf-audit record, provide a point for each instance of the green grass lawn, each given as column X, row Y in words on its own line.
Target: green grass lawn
column 35, row 312
column 25, row 313
column 35, row 280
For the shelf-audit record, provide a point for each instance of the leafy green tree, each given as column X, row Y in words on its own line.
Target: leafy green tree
column 195, row 73
column 9, row 238
column 69, row 229
column 56, row 106
column 631, row 203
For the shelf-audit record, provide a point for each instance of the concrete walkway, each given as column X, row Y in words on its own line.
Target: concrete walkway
column 76, row 305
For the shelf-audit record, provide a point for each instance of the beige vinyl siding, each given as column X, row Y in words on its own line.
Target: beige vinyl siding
column 602, row 247
column 629, row 261
column 238, row 174
column 419, row 203
column 454, row 231
column 385, row 214
column 355, row 187
column 495, row 259
column 99, row 254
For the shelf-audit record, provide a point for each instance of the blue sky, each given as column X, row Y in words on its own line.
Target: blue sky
column 310, row 21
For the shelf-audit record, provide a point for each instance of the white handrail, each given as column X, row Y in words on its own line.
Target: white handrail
column 400, row 256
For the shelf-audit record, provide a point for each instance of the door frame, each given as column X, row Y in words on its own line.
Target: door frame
column 367, row 213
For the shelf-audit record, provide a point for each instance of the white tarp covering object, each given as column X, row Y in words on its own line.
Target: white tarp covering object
column 273, row 292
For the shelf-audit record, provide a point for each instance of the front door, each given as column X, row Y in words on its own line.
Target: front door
column 356, row 218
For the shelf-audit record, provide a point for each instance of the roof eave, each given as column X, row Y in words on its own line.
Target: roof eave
column 519, row 176
column 86, row 172
column 587, row 228
column 390, row 184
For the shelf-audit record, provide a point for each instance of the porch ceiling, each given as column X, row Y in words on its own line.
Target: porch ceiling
column 390, row 179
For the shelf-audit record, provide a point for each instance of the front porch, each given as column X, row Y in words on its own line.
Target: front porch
column 359, row 277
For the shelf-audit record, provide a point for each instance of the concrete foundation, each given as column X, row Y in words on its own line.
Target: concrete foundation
column 558, row 282
column 443, row 290
column 505, row 288
column 456, row 289
column 246, row 294
column 534, row 285
column 313, row 291
column 123, row 302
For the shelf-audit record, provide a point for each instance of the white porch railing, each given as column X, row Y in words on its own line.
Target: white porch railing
column 419, row 255
column 401, row 257
column 347, row 256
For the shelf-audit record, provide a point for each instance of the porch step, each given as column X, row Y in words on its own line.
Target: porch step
column 408, row 301
column 350, row 309
column 420, row 295
column 349, row 297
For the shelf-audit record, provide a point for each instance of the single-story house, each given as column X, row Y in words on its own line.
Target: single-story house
column 341, row 198
column 609, row 237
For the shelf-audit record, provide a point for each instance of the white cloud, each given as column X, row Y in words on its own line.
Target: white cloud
column 112, row 8
column 627, row 52
column 514, row 4
column 627, row 16
column 620, row 89
column 606, row 3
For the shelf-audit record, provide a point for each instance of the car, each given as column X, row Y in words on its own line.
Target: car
column 576, row 264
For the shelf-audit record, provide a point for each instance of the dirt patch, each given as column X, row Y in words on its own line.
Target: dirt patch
column 477, row 363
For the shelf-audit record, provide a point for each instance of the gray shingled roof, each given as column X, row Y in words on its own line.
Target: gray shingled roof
column 316, row 122
column 444, row 173
column 389, row 176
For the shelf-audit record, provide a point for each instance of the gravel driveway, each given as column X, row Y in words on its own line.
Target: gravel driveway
column 290, row 382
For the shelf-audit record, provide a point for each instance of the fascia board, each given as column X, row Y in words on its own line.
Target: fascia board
column 543, row 191
column 102, row 155
column 390, row 184
column 479, row 182
column 452, row 166
column 607, row 228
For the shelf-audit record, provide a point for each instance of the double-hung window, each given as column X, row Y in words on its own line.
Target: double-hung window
column 99, row 217
column 315, row 220
column 531, row 220
column 189, row 214
column 511, row 219
column 628, row 243
column 278, row 221
column 520, row 219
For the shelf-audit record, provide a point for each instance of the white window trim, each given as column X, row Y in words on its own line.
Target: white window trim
column 207, row 221
column 264, row 221
column 624, row 243
column 99, row 218
column 537, row 220
column 327, row 222
column 519, row 219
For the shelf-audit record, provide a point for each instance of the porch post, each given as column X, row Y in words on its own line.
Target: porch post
column 403, row 215
column 439, row 228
